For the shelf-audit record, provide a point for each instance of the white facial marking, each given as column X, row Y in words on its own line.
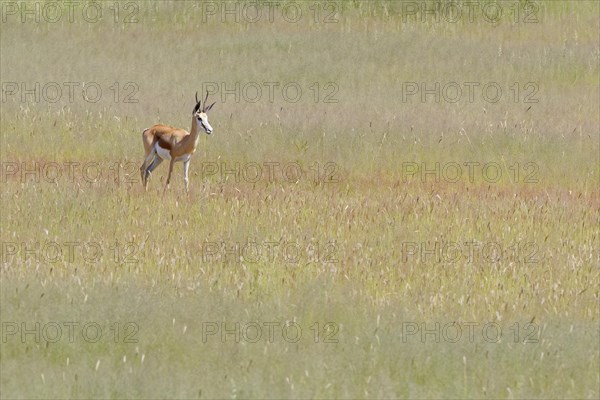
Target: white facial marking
column 203, row 123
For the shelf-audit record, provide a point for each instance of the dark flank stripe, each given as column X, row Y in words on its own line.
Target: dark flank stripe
column 163, row 143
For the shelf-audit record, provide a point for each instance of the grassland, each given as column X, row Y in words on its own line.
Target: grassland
column 358, row 246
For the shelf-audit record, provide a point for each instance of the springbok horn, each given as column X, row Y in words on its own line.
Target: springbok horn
column 205, row 98
column 198, row 105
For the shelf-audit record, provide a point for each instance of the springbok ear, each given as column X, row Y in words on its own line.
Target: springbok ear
column 209, row 107
column 198, row 104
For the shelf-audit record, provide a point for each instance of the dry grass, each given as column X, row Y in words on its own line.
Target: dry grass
column 352, row 259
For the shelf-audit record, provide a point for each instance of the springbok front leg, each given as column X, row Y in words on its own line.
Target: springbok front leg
column 169, row 175
column 186, row 166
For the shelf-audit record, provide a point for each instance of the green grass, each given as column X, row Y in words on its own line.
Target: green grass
column 356, row 266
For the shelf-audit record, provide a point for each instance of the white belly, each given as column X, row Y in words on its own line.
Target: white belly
column 162, row 153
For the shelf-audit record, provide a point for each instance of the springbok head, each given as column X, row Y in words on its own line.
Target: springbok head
column 200, row 114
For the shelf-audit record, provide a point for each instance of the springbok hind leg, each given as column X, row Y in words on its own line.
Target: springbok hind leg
column 152, row 167
column 143, row 173
column 148, row 161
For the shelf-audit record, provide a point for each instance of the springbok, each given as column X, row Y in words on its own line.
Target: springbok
column 162, row 142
